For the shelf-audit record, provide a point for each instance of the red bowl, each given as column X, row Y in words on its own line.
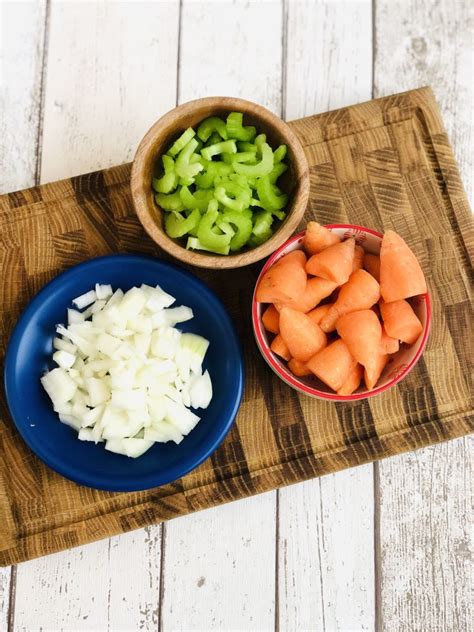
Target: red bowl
column 400, row 363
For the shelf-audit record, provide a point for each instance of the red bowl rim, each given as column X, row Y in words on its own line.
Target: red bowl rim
column 293, row 381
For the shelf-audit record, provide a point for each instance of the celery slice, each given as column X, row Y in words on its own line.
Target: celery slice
column 276, row 172
column 170, row 202
column 194, row 201
column 205, row 233
column 176, row 225
column 262, row 222
column 262, row 168
column 184, row 168
column 280, row 153
column 181, row 142
column 194, row 244
column 226, row 146
column 244, row 146
column 210, row 125
column 269, row 199
column 243, row 225
column 236, row 130
column 167, row 182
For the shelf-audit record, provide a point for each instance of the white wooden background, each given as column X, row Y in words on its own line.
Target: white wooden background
column 380, row 547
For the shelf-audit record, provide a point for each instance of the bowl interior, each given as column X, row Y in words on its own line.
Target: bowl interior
column 399, row 364
column 29, row 355
column 167, row 129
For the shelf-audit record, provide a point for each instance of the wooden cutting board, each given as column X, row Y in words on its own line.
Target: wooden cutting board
column 383, row 164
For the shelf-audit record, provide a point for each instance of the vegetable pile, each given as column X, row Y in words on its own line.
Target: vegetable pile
column 219, row 186
column 126, row 375
column 341, row 313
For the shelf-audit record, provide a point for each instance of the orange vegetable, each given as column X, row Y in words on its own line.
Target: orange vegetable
column 360, row 292
column 316, row 290
column 389, row 345
column 401, row 275
column 372, row 265
column 271, row 319
column 400, row 321
column 371, row 376
column 358, row 262
column 298, row 368
column 280, row 347
column 303, row 337
column 353, row 381
column 284, row 281
column 333, row 263
column 318, row 238
column 333, row 365
column 362, row 333
column 318, row 313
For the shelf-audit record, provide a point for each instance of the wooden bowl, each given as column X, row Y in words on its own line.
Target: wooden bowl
column 295, row 181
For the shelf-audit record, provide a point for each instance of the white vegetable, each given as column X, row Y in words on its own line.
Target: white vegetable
column 125, row 374
column 85, row 299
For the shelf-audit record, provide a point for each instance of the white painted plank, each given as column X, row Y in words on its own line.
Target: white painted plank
column 111, row 585
column 21, row 58
column 100, row 99
column 5, row 585
column 111, row 73
column 219, row 570
column 326, row 535
column 425, row 512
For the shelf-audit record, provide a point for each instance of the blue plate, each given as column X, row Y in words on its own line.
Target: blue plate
column 29, row 356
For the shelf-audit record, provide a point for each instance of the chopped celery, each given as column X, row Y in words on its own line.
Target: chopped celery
column 184, row 168
column 167, row 182
column 181, row 142
column 210, row 125
column 170, row 202
column 243, row 225
column 276, row 172
column 280, row 153
column 262, row 168
column 213, row 139
column 236, row 130
column 243, row 156
column 239, row 201
column 176, row 225
column 263, row 221
column 270, row 201
column 259, row 140
column 258, row 240
column 194, row 201
column 205, row 233
column 193, row 243
column 226, row 146
column 244, row 146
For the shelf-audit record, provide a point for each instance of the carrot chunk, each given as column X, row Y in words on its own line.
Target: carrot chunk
column 358, row 261
column 284, row 281
column 280, row 348
column 333, row 263
column 353, row 381
column 401, row 275
column 372, row 265
column 333, row 364
column 316, row 290
column 373, row 373
column 389, row 345
column 271, row 319
column 318, row 238
column 362, row 333
column 318, row 313
column 360, row 292
column 400, row 321
column 303, row 337
column 298, row 368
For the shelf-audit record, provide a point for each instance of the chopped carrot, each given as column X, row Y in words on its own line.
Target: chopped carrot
column 298, row 368
column 400, row 321
column 372, row 374
column 333, row 263
column 284, row 281
column 318, row 313
column 362, row 333
column 333, row 365
column 360, row 292
column 316, row 290
column 389, row 345
column 353, row 381
column 303, row 337
column 271, row 319
column 358, row 262
column 318, row 238
column 401, row 275
column 280, row 347
column 372, row 265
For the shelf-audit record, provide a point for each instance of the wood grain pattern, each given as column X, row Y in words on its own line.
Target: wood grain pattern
column 424, row 512
column 326, row 570
column 298, row 451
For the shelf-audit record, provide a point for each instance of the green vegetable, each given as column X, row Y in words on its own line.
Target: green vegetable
column 269, row 199
column 262, row 168
column 206, row 235
column 226, row 146
column 167, row 182
column 182, row 141
column 193, row 243
column 210, row 125
column 171, row 202
column 280, row 153
column 194, row 201
column 184, row 167
column 243, row 225
column 236, row 130
column 176, row 225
